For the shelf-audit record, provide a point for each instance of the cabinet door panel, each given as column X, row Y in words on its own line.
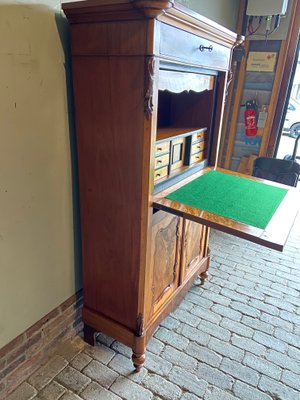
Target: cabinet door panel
column 193, row 246
column 165, row 252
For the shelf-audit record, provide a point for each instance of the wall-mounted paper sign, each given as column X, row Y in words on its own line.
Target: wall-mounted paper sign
column 261, row 61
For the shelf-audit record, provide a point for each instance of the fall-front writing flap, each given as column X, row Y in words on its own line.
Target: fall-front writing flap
column 251, row 208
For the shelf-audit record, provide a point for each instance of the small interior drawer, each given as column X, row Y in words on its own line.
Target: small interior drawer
column 161, row 161
column 198, row 147
column 176, row 150
column 197, row 157
column 162, row 148
column 198, row 136
column 160, row 173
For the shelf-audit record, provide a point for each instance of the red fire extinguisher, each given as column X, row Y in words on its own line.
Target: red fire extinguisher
column 251, row 118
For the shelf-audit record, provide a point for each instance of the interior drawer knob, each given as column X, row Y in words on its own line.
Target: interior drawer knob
column 203, row 48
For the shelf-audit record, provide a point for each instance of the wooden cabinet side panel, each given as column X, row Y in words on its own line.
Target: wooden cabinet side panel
column 109, row 95
column 218, row 118
column 110, row 38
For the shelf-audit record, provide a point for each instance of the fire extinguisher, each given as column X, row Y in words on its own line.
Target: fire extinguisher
column 251, row 118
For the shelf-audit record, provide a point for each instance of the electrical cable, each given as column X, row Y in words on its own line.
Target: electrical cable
column 250, row 26
column 267, row 34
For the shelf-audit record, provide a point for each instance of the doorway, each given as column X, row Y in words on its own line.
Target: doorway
column 287, row 146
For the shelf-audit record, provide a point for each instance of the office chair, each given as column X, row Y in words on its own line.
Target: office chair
column 276, row 170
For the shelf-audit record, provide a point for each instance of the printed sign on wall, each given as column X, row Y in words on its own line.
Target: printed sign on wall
column 261, row 61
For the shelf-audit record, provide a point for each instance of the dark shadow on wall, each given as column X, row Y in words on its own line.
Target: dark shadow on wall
column 64, row 34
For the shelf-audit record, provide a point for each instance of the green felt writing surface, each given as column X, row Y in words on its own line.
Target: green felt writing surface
column 243, row 200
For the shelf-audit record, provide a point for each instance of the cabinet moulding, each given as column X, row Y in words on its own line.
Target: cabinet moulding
column 153, row 9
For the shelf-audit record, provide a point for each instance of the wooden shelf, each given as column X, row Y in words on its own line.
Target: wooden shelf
column 171, row 133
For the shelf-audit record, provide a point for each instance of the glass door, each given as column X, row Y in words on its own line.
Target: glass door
column 287, row 144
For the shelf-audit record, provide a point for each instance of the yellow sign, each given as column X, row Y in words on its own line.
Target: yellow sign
column 261, row 61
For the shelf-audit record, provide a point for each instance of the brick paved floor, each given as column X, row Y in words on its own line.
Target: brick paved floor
column 238, row 337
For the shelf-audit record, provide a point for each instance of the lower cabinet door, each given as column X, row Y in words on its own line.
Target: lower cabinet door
column 193, row 245
column 165, row 256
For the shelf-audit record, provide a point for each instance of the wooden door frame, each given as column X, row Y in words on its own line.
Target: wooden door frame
column 291, row 46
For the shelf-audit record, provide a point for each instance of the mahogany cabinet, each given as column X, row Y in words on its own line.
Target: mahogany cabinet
column 150, row 79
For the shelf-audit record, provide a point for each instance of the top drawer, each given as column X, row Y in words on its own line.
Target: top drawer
column 187, row 47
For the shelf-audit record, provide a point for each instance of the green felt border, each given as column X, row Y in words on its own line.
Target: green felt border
column 241, row 199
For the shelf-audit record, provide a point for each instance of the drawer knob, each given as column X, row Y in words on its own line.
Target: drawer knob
column 203, row 48
column 159, row 149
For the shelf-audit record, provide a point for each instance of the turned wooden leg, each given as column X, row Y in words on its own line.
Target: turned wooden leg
column 138, row 361
column 89, row 335
column 203, row 277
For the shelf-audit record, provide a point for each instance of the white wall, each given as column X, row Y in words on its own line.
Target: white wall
column 36, row 222
column 225, row 12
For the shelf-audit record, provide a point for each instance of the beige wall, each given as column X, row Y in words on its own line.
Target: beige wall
column 36, row 225
column 225, row 12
